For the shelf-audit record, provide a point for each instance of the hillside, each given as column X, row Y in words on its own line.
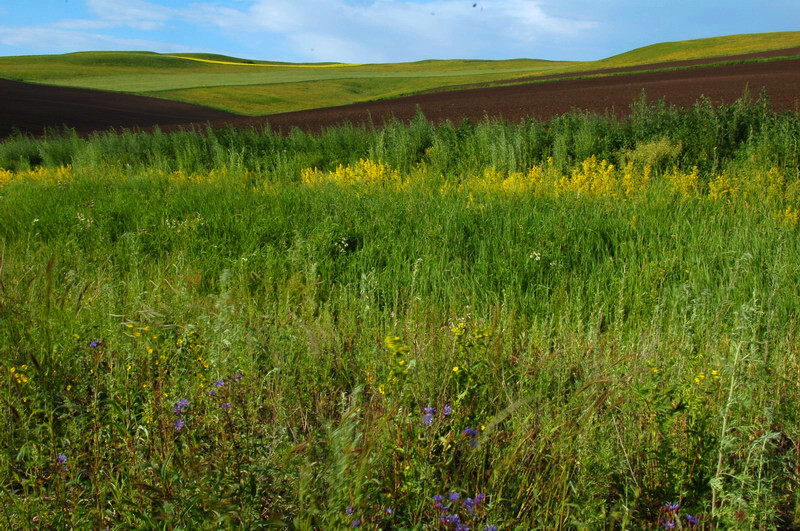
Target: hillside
column 260, row 87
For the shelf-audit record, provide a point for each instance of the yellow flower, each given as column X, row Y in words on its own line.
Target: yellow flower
column 137, row 334
column 69, row 388
column 24, row 398
column 24, row 379
column 456, row 369
column 146, row 328
column 654, row 370
column 129, row 325
column 24, row 367
column 128, row 366
column 11, row 370
column 149, row 350
column 76, row 336
column 381, row 389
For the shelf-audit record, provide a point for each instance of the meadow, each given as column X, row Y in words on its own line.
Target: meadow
column 589, row 322
column 262, row 87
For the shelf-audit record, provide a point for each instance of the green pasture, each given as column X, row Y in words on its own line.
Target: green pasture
column 193, row 337
column 261, row 87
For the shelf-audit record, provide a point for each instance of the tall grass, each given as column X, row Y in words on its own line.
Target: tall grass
column 347, row 351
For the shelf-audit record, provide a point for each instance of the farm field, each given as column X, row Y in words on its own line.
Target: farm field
column 259, row 88
column 585, row 322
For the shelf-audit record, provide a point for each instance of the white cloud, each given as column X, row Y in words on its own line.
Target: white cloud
column 56, row 40
column 322, row 30
column 137, row 14
column 382, row 30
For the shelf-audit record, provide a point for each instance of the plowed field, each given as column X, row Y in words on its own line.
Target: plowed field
column 30, row 108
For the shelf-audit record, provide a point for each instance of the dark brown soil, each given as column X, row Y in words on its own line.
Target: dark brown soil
column 30, row 108
column 784, row 52
column 721, row 84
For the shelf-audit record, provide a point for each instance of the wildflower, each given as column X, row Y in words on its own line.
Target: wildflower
column 226, row 405
column 179, row 424
column 238, row 377
column 427, row 418
column 669, row 524
column 95, row 343
column 446, row 410
column 356, row 523
column 219, row 383
column 180, row 406
column 438, row 498
column 389, row 510
column 469, row 504
column 693, row 520
column 350, row 511
column 62, row 459
column 212, row 393
column 490, row 528
column 69, row 388
column 480, row 497
column 456, row 369
column 470, row 432
column 453, row 496
column 671, row 507
column 24, row 367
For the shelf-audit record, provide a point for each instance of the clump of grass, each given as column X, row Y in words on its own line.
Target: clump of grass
column 436, row 327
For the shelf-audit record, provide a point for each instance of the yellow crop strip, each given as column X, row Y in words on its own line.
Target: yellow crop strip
column 231, row 63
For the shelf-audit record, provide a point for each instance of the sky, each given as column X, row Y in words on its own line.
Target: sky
column 368, row 31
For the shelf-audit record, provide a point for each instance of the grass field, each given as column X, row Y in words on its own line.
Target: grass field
column 584, row 323
column 258, row 88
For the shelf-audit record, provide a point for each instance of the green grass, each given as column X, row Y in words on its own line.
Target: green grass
column 613, row 354
column 261, row 87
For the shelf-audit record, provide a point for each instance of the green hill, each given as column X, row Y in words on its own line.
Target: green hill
column 264, row 87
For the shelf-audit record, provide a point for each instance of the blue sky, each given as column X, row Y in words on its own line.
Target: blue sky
column 380, row 30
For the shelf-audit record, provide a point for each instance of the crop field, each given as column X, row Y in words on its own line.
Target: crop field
column 259, row 87
column 587, row 322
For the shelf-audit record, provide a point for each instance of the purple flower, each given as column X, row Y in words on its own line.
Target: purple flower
column 462, row 527
column 179, row 424
column 453, row 496
column 356, row 523
column 469, row 504
column 238, row 377
column 670, row 507
column 389, row 510
column 226, row 405
column 180, row 406
column 446, row 410
column 62, row 459
column 693, row 520
column 490, row 528
column 350, row 510
column 219, row 383
column 479, row 498
column 470, row 432
column 212, row 393
column 427, row 419
column 438, row 498
column 669, row 524
column 95, row 343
